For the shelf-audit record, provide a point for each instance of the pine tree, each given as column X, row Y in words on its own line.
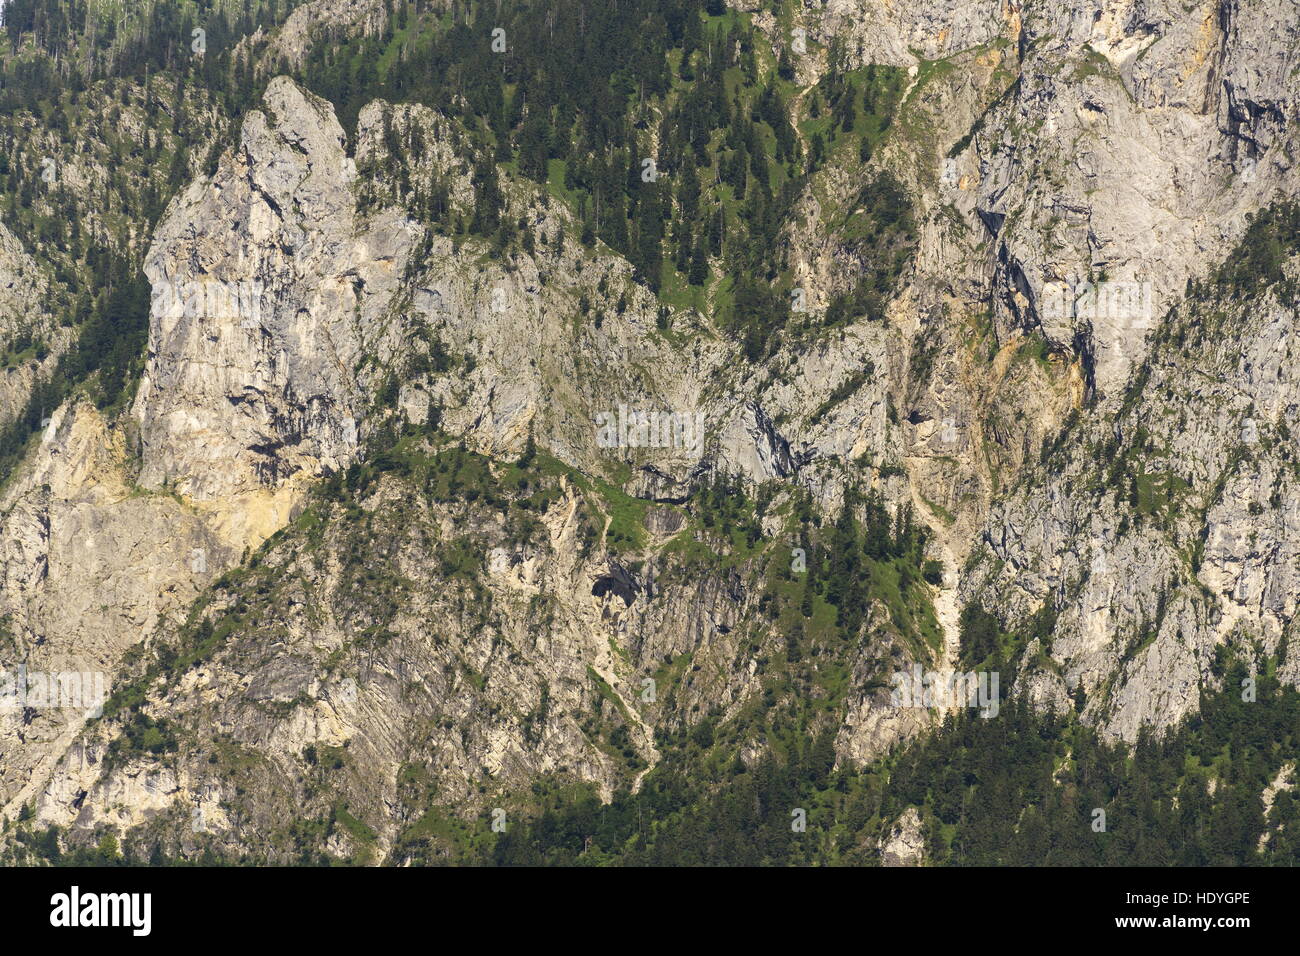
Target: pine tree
column 699, row 274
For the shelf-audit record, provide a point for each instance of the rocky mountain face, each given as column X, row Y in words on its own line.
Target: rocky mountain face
column 381, row 554
column 20, row 304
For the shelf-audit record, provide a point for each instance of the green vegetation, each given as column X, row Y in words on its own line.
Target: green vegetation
column 1272, row 237
column 118, row 94
column 1020, row 789
column 567, row 103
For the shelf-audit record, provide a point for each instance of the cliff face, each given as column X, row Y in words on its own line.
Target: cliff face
column 22, row 291
column 359, row 550
column 1125, row 161
column 1136, row 141
column 267, row 291
column 90, row 567
column 244, row 402
column 1163, row 530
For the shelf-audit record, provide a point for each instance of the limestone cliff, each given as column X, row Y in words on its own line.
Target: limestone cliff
column 363, row 563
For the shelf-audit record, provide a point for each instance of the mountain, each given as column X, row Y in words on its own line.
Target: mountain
column 598, row 432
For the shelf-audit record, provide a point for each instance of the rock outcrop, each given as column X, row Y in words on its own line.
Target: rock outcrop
column 403, row 519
